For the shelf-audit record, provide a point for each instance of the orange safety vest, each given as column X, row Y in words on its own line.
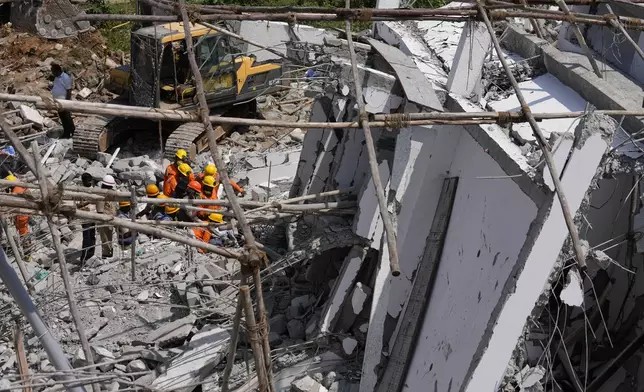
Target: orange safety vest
column 204, row 215
column 202, row 235
column 171, row 172
column 22, row 221
column 169, row 185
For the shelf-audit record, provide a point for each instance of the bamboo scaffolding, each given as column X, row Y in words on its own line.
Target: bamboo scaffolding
column 580, row 37
column 230, row 359
column 373, row 159
column 379, row 120
column 16, row 254
column 252, row 258
column 374, row 15
column 60, row 254
column 565, row 208
column 254, row 340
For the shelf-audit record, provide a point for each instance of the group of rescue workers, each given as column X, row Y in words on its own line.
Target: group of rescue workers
column 179, row 182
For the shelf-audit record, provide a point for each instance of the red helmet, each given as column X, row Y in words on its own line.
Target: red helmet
column 195, row 186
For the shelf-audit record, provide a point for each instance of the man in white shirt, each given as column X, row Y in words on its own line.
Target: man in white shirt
column 62, row 89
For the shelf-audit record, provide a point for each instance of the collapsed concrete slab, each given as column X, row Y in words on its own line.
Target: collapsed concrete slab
column 205, row 350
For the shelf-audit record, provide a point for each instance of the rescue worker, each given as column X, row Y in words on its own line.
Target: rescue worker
column 150, row 210
column 220, row 237
column 177, row 186
column 220, row 189
column 21, row 221
column 89, row 229
column 208, row 192
column 209, row 170
column 181, row 156
column 210, row 236
column 159, row 211
column 125, row 235
column 106, row 207
column 193, row 193
column 172, row 212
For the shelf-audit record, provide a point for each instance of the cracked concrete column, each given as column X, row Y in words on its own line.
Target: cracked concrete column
column 465, row 75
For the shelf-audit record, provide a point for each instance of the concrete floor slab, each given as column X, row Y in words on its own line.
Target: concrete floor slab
column 544, row 93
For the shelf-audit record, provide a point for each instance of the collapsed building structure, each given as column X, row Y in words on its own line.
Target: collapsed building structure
column 489, row 292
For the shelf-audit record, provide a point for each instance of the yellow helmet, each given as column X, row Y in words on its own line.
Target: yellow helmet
column 11, row 177
column 184, row 169
column 181, row 154
column 124, row 203
column 210, row 170
column 171, row 209
column 152, row 190
column 162, row 196
column 215, row 217
column 209, row 181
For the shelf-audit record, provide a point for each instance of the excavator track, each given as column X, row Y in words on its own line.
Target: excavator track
column 91, row 137
column 183, row 137
column 192, row 138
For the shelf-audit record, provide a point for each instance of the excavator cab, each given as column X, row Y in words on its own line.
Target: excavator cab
column 160, row 76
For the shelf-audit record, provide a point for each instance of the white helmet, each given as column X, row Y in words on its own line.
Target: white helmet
column 108, row 180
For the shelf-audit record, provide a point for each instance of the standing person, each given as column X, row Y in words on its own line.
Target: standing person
column 152, row 191
column 89, row 229
column 21, row 221
column 209, row 170
column 180, row 157
column 177, row 186
column 107, row 208
column 125, row 236
column 62, row 89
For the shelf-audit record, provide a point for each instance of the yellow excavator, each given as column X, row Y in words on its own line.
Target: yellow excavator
column 159, row 76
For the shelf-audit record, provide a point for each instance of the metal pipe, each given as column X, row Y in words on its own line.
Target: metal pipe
column 54, row 351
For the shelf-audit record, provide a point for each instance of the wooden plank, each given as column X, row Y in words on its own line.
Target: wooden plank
column 412, row 319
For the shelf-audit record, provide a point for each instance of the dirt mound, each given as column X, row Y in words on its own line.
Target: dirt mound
column 26, row 60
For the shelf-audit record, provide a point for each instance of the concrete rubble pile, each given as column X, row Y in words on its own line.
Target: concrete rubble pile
column 170, row 329
column 490, row 296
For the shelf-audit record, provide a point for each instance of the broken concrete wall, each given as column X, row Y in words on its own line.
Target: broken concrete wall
column 336, row 158
column 490, row 223
column 607, row 42
column 495, row 350
column 271, row 34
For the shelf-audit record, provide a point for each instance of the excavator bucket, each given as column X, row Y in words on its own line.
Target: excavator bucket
column 50, row 19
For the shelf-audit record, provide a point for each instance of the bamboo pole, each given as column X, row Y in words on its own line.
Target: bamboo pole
column 253, row 257
column 16, row 254
column 565, row 208
column 134, row 234
column 29, row 311
column 232, row 351
column 580, row 37
column 263, row 321
column 620, row 27
column 379, row 120
column 373, row 15
column 64, row 272
column 373, row 160
column 23, row 367
column 251, row 330
column 70, row 211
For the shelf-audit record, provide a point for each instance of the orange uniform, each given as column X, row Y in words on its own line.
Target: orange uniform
column 204, row 215
column 170, row 185
column 202, row 234
column 171, row 173
column 22, row 221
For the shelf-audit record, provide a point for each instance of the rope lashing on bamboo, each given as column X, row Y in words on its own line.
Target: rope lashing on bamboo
column 397, row 120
